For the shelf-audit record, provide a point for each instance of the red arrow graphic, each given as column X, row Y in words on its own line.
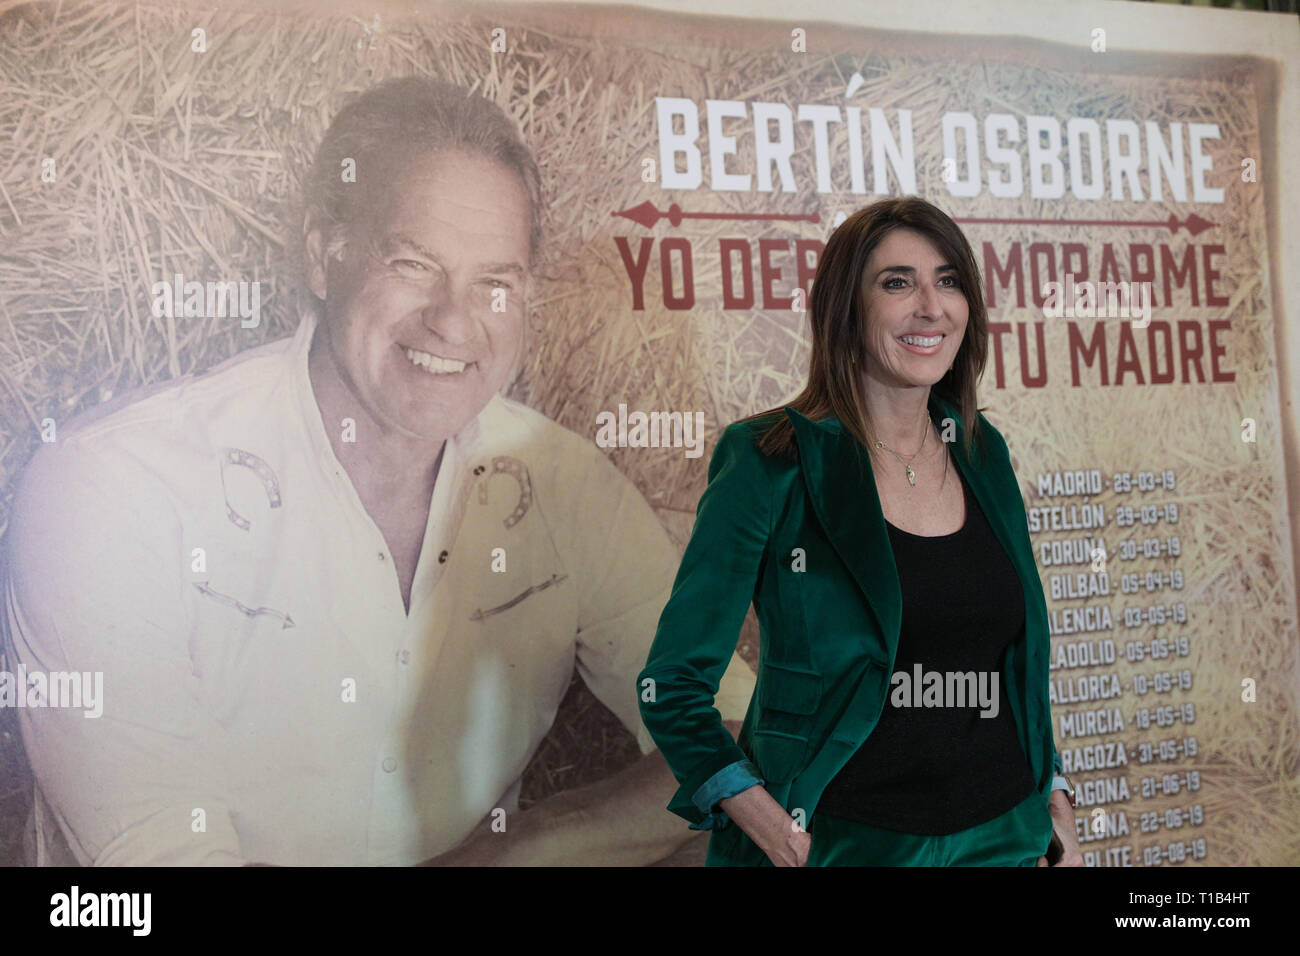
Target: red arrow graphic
column 1194, row 224
column 647, row 214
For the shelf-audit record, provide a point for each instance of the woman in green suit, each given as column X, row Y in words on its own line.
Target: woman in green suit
column 901, row 712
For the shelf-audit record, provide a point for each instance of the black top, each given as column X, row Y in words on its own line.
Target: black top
column 932, row 764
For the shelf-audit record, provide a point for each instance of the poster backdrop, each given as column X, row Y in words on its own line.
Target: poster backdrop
column 693, row 170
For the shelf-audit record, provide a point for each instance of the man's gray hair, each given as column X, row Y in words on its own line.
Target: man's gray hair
column 399, row 118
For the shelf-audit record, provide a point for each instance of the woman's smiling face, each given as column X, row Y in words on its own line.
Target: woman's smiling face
column 916, row 313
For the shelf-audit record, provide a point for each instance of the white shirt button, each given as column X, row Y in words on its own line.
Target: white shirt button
column 389, row 765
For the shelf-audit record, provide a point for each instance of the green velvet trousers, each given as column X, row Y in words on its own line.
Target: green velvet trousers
column 1016, row 838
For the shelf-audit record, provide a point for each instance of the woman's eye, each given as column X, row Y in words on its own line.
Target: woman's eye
column 951, row 282
column 410, row 265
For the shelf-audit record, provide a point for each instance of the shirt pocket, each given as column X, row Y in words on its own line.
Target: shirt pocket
column 789, row 697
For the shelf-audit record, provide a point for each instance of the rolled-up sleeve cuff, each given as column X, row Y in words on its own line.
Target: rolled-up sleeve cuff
column 1060, row 783
column 727, row 782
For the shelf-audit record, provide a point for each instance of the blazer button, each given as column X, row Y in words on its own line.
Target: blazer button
column 442, row 557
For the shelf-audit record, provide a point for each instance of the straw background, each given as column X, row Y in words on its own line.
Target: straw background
column 171, row 161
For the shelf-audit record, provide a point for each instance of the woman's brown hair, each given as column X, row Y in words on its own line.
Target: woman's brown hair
column 839, row 329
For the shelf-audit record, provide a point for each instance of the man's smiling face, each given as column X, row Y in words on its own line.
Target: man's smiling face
column 410, row 322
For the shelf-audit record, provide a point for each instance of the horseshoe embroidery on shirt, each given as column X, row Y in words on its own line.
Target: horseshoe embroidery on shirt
column 478, row 615
column 244, row 609
column 505, row 465
column 238, row 457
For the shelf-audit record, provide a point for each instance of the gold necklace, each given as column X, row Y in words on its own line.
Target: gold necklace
column 911, row 475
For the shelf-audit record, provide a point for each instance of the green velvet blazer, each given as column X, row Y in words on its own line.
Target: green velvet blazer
column 807, row 543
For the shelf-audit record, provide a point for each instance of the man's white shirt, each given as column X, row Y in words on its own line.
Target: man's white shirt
column 267, row 697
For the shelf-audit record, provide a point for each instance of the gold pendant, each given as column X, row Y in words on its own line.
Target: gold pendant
column 911, row 476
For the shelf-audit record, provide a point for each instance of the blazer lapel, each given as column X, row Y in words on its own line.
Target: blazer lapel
column 848, row 508
column 989, row 486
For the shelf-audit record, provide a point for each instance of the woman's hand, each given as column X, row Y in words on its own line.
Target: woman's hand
column 1063, row 827
column 774, row 831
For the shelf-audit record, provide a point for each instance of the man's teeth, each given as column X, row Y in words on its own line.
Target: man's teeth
column 433, row 363
column 923, row 341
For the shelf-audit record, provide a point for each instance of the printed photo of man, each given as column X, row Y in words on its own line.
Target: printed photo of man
column 338, row 585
